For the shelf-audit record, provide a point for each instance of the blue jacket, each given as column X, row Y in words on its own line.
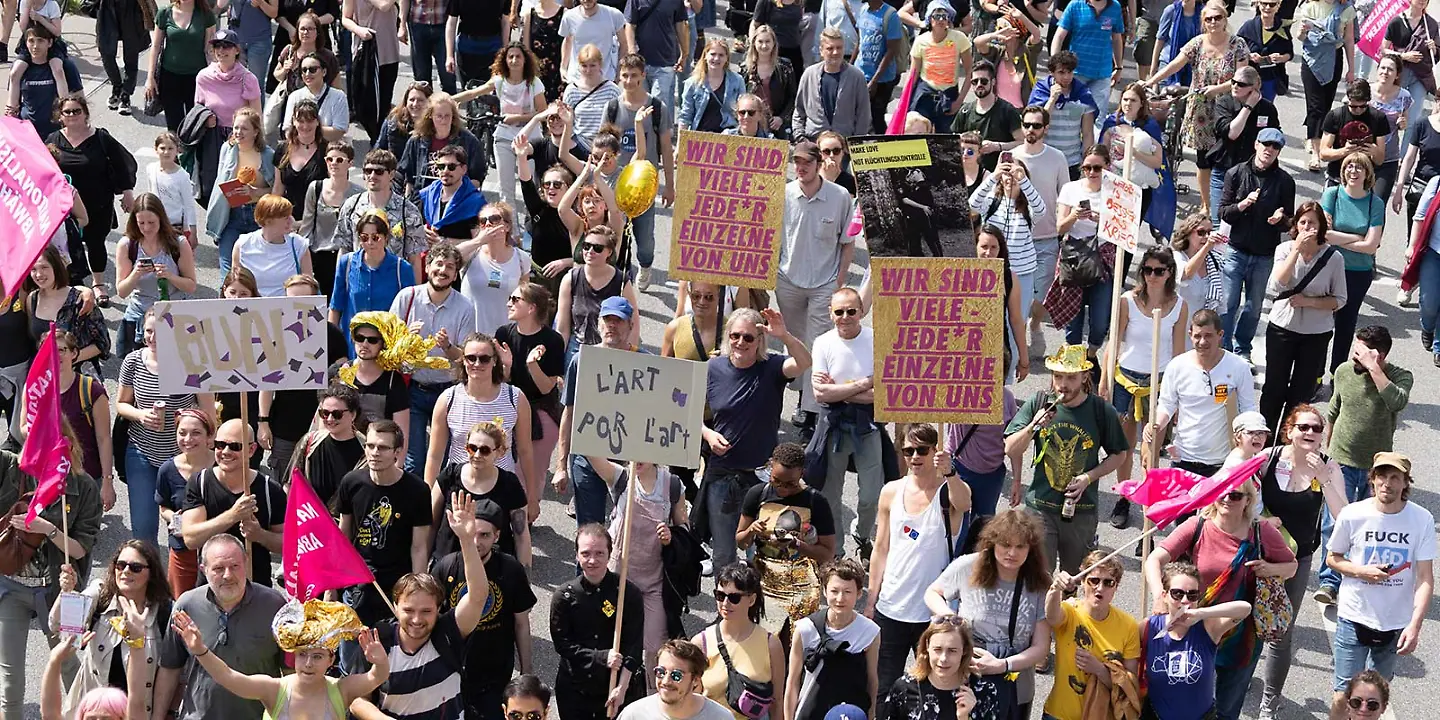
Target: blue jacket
column 464, row 206
column 1079, row 92
column 696, row 96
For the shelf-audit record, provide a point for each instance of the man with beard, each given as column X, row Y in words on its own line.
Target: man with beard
column 451, row 207
column 583, row 613
column 994, row 118
column 1049, row 171
column 427, row 647
column 677, row 673
column 407, row 227
column 385, row 511
column 504, row 627
column 1384, row 547
column 233, row 616
column 433, row 310
column 232, row 498
column 1258, row 200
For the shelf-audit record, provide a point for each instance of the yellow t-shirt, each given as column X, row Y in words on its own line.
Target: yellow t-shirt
column 941, row 59
column 1117, row 637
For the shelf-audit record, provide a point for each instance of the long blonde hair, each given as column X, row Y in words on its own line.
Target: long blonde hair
column 701, row 70
column 752, row 56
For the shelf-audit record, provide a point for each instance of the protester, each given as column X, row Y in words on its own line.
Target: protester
column 944, row 673
column 433, row 310
column 832, row 94
column 1095, row 642
column 381, row 389
column 194, row 434
column 440, row 126
column 647, row 134
column 1049, row 170
column 177, row 55
column 404, row 226
column 450, row 206
column 835, row 650
column 1198, row 260
column 1181, row 627
column 1272, row 47
column 1203, row 385
column 330, row 116
column 399, row 125
column 583, row 615
column 54, row 301
column 772, row 79
column 1070, row 106
column 737, row 640
column 85, row 405
column 99, row 171
column 300, row 162
column 709, row 94
column 483, row 396
column 246, row 160
column 1355, row 216
column 152, row 262
column 320, row 214
column 232, row 498
column 272, row 253
column 678, row 670
column 1354, row 127
column 515, row 82
column 370, row 278
column 1240, row 117
column 336, row 447
column 1077, row 213
column 1325, row 28
column 485, row 443
column 376, row 64
column 1258, row 202
column 942, row 60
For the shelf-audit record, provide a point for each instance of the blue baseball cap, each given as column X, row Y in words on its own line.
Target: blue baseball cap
column 845, row 711
column 225, row 36
column 617, row 307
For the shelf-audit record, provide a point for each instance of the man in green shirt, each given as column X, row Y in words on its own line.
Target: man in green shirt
column 1069, row 426
column 1370, row 392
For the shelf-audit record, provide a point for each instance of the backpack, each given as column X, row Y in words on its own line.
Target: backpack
column 87, row 397
column 902, row 61
column 612, row 112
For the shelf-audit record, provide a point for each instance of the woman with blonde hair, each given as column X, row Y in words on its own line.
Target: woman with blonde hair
column 247, row 161
column 1355, row 213
column 481, row 477
column 771, row 78
column 943, row 676
column 440, row 125
column 711, row 80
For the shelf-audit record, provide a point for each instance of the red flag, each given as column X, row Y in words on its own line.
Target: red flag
column 46, row 455
column 1202, row 491
column 315, row 554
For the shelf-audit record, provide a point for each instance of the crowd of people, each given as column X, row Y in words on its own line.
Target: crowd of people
column 926, row 599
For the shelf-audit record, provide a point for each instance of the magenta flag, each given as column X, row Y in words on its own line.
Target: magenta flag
column 315, row 555
column 46, row 455
column 1193, row 492
column 34, row 200
column 1372, row 26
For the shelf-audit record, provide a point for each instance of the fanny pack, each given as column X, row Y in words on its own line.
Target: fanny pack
column 1370, row 637
column 747, row 697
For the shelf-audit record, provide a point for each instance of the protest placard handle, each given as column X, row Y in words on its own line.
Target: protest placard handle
column 1117, row 280
column 624, row 572
column 245, row 430
column 1152, row 451
column 65, row 528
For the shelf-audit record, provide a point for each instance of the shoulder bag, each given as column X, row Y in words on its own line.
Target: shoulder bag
column 1315, row 269
column 1080, row 263
column 18, row 546
column 745, row 696
column 1273, row 612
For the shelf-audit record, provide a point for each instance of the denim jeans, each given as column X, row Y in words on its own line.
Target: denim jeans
column 1100, row 88
column 985, row 488
column 242, row 220
column 1357, row 285
column 661, row 81
column 1244, row 276
column 592, row 495
column 1097, row 307
column 1026, row 283
column 1268, row 90
column 1357, row 488
column 256, row 55
column 1417, row 108
column 1351, row 657
column 644, row 229
column 1047, row 254
column 417, row 436
column 427, row 50
column 1217, row 190
column 1279, row 654
column 140, row 480
column 934, row 104
column 724, row 491
column 1430, row 293
column 1231, row 685
column 869, row 474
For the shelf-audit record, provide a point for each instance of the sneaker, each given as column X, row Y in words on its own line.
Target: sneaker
column 114, row 103
column 125, row 109
column 803, row 419
column 1325, row 596
column 1267, row 708
column 1437, row 358
column 1120, row 514
column 643, row 281
column 1427, row 339
column 1405, row 298
column 707, row 568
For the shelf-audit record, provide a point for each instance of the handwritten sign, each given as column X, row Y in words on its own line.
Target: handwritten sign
column 206, row 346
column 939, row 339
column 730, row 211
column 1120, row 212
column 636, row 406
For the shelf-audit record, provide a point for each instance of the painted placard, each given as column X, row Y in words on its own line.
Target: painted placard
column 208, row 346
column 1120, row 212
column 729, row 209
column 638, row 407
column 939, row 339
column 913, row 197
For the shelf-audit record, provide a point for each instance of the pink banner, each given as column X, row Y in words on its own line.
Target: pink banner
column 46, row 455
column 1372, row 30
column 34, row 200
column 315, row 555
column 1194, row 492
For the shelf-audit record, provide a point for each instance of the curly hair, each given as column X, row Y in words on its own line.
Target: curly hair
column 1184, row 229
column 1015, row 526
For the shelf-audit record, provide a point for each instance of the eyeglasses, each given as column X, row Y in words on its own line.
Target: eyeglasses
column 378, row 446
column 71, row 112
column 368, row 340
column 375, row 171
column 832, row 151
column 309, row 69
column 331, row 414
column 481, row 450
column 1233, row 496
column 846, row 312
column 595, row 247
column 1032, row 126
column 913, row 450
column 738, row 336
column 1156, row 271
column 980, row 80
column 553, row 185
column 219, row 445
column 676, row 674
column 1108, row 582
column 447, row 167
column 1370, row 704
column 1178, row 594
column 1091, row 168
column 732, row 598
column 479, row 359
column 133, row 567
column 517, row 715
column 746, row 112
column 1307, row 427
column 489, row 220
column 940, row 16
column 1239, row 83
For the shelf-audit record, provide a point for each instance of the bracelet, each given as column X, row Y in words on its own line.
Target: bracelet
column 207, row 652
column 1007, row 666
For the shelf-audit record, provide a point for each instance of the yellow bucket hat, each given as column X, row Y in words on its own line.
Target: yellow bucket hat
column 1069, row 359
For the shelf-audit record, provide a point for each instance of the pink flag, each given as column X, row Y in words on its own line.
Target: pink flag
column 1372, row 29
column 35, row 198
column 1202, row 491
column 46, row 455
column 316, row 556
column 1157, row 485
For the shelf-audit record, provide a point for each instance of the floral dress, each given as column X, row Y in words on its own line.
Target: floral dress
column 1199, row 127
column 545, row 42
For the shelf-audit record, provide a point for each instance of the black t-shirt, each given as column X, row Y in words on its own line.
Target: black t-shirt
column 14, row 326
column 206, row 491
column 508, row 493
column 1424, row 136
column 1399, row 32
column 490, row 656
column 998, row 125
column 478, row 18
column 1228, row 153
column 806, row 510
column 746, row 408
column 383, row 520
column 385, row 397
column 1341, row 116
column 330, row 461
column 552, row 365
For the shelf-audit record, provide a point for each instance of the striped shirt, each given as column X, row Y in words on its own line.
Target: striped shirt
column 424, row 685
column 463, row 411
column 156, row 445
column 1065, row 126
column 1015, row 224
column 589, row 107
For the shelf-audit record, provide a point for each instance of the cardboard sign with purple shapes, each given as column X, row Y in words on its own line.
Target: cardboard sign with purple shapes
column 208, row 346
column 638, row 406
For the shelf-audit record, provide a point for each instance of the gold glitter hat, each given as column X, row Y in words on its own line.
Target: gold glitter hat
column 315, row 623
column 1069, row 359
column 403, row 350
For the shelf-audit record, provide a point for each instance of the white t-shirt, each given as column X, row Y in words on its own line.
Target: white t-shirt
column 845, row 360
column 601, row 30
column 1070, row 196
column 988, row 612
column 271, row 264
column 334, row 111
column 1196, row 400
column 516, row 99
column 859, row 633
column 1370, row 537
column 649, row 708
column 176, row 192
column 487, row 285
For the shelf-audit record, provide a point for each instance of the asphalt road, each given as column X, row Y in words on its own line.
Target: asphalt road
column 1307, row 692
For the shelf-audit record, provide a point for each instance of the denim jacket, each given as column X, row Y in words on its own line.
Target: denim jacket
column 696, row 96
column 217, row 215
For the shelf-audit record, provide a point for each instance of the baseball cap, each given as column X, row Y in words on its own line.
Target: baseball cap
column 1391, row 459
column 617, row 307
column 491, row 512
column 845, row 711
column 225, row 36
column 930, row 10
column 1250, row 421
column 806, row 148
column 1271, row 135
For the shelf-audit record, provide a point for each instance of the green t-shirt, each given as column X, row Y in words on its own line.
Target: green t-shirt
column 1354, row 216
column 184, row 46
column 1068, row 446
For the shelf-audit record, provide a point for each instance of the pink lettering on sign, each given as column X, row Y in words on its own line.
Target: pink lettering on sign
column 731, row 209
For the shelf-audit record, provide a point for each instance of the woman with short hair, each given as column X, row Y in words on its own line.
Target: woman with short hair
column 272, row 254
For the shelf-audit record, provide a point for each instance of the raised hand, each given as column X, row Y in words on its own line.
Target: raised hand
column 374, row 651
column 189, row 633
column 461, row 515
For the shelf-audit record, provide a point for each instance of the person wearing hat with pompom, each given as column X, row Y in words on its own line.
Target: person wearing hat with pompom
column 1069, row 426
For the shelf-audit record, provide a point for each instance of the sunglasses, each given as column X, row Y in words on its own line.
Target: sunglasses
column 595, row 247
column 331, row 414
column 676, row 675
column 952, row 620
column 479, row 359
column 1108, row 582
column 553, row 184
column 746, row 112
column 71, row 112
column 1273, row 145
column 375, row 171
column 1233, row 496
column 371, row 236
column 912, row 450
column 447, row 167
column 1307, row 427
column 1091, row 168
column 1178, row 594
column 732, row 598
column 738, row 336
column 219, row 445
column 336, row 159
column 1370, row 704
column 488, row 220
column 846, row 312
column 517, row 715
column 1156, row 271
column 980, row 80
column 368, row 340
column 1239, row 83
column 133, row 567
column 515, row 299
column 832, row 151
column 702, row 297
column 1032, row 126
column 1213, row 18
column 309, row 69
column 940, row 16
column 481, row 450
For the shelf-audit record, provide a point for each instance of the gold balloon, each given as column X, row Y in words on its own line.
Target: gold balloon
column 635, row 190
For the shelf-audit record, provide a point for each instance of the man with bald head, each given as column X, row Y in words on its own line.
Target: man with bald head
column 232, row 498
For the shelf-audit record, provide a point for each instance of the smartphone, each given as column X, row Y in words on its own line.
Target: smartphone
column 1006, row 156
column 1085, row 205
column 146, row 263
